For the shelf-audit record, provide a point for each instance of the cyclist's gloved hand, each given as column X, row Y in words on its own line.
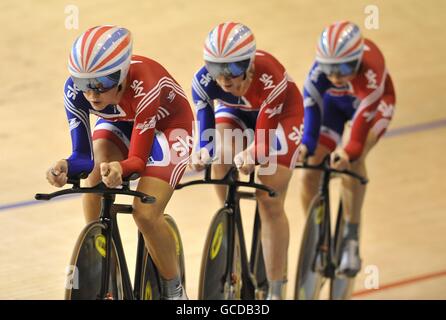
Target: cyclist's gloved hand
column 340, row 159
column 200, row 159
column 111, row 173
column 244, row 161
column 57, row 174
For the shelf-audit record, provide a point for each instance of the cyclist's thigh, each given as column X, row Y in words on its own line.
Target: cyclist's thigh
column 169, row 156
column 278, row 181
column 111, row 140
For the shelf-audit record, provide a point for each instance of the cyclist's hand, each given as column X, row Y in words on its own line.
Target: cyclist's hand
column 244, row 161
column 57, row 174
column 340, row 159
column 200, row 159
column 111, row 173
column 303, row 153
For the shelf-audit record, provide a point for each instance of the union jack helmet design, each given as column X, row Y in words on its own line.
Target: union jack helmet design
column 101, row 51
column 229, row 42
column 340, row 42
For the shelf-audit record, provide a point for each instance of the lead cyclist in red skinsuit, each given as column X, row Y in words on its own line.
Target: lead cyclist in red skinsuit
column 145, row 126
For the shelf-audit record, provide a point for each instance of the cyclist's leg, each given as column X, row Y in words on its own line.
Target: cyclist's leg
column 353, row 192
column 167, row 163
column 110, row 143
column 330, row 135
column 276, row 174
column 231, row 125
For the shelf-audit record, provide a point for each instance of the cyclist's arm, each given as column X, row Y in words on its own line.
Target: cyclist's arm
column 204, row 110
column 77, row 110
column 314, row 89
column 370, row 98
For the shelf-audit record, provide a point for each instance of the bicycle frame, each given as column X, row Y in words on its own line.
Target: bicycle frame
column 325, row 246
column 232, row 202
column 108, row 217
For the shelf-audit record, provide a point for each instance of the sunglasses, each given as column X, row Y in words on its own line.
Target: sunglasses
column 342, row 69
column 227, row 70
column 98, row 84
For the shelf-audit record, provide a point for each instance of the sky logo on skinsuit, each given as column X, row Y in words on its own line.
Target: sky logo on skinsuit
column 371, row 78
column 72, row 92
column 297, row 134
column 205, row 79
column 138, row 88
column 267, row 81
column 386, row 109
column 146, row 125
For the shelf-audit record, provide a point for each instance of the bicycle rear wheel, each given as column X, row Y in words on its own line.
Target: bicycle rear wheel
column 341, row 287
column 308, row 281
column 213, row 285
column 86, row 266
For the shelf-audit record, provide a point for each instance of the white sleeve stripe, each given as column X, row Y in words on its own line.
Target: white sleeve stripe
column 200, row 91
column 277, row 91
column 155, row 89
column 70, row 107
column 155, row 93
column 372, row 97
column 274, row 94
column 198, row 87
column 278, row 88
column 314, row 93
column 79, row 112
column 176, row 172
column 154, row 96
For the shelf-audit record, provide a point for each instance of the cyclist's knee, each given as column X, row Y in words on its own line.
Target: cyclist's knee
column 147, row 216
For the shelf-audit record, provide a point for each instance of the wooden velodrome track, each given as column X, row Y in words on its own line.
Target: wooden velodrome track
column 404, row 213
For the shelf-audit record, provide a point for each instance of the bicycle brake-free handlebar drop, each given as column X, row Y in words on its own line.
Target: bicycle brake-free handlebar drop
column 230, row 179
column 99, row 189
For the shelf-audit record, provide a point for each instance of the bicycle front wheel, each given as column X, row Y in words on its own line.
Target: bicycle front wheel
column 84, row 277
column 214, row 285
column 309, row 281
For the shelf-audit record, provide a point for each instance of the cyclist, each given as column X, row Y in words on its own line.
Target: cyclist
column 255, row 98
column 348, row 86
column 142, row 111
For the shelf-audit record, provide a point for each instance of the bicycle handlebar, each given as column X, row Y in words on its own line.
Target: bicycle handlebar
column 229, row 179
column 101, row 188
column 325, row 166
